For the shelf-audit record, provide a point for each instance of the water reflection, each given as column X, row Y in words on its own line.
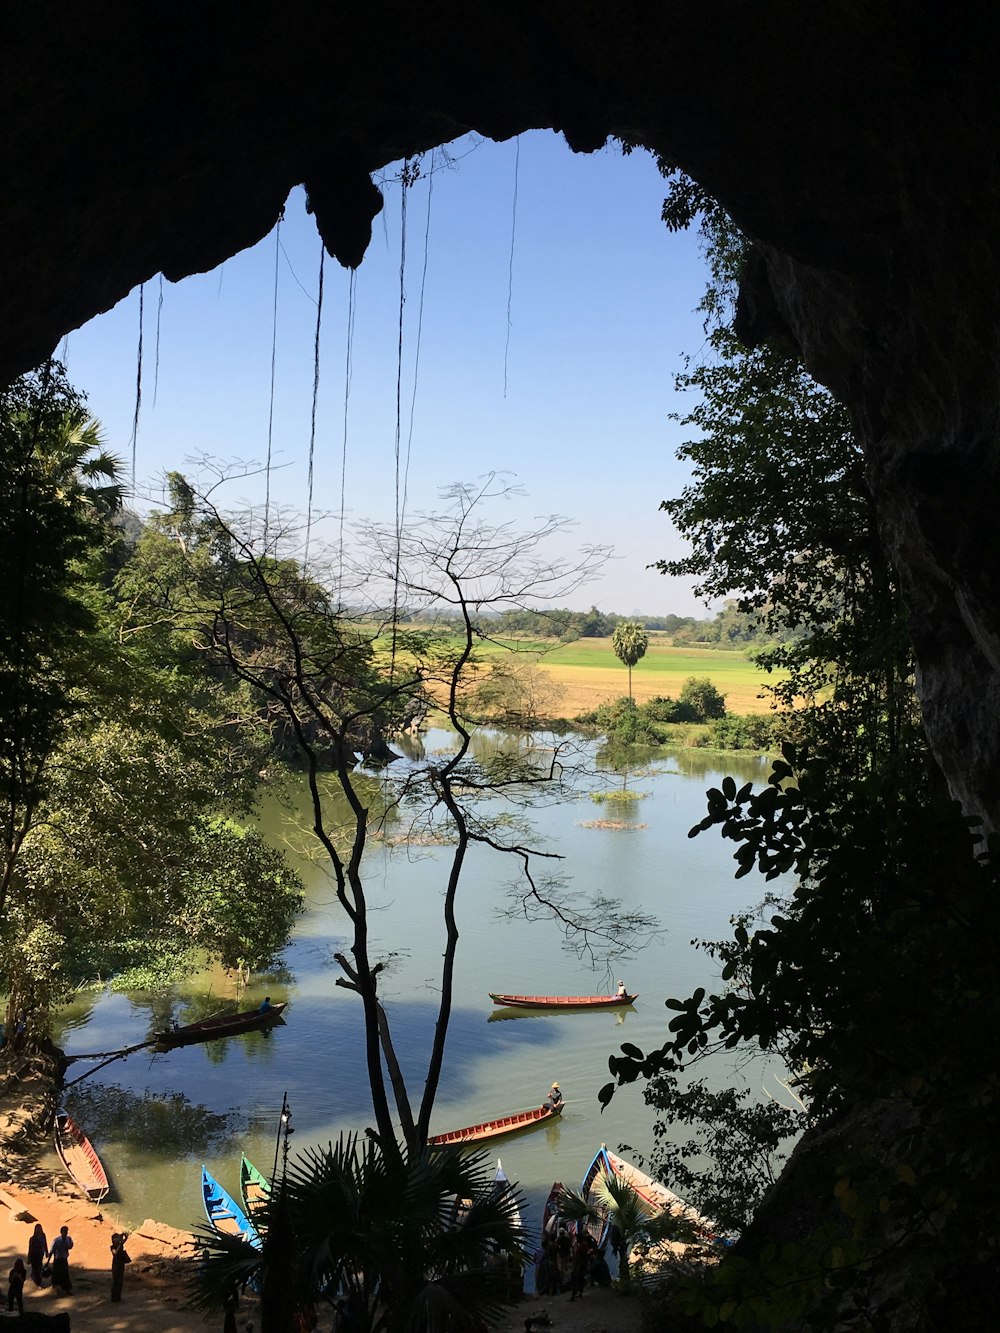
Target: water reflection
column 620, row 1012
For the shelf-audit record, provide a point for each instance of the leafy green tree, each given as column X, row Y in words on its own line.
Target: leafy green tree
column 704, row 700
column 412, row 1241
column 780, row 519
column 860, row 976
column 737, row 1147
column 629, row 642
column 123, row 769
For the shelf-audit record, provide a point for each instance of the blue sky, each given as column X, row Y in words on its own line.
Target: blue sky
column 602, row 303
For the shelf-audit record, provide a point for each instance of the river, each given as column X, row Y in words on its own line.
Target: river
column 155, row 1119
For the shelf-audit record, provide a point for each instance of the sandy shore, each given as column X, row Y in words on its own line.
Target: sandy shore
column 155, row 1298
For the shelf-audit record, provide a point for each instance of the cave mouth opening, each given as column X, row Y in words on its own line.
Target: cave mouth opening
column 545, row 311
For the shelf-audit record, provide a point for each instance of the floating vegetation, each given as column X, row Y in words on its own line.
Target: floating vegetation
column 617, row 794
column 615, row 825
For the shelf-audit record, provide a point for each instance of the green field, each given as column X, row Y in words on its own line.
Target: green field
column 589, row 673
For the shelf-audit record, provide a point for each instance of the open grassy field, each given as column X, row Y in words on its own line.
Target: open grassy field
column 589, row 673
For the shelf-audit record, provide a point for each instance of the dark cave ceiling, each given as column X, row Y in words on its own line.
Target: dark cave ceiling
column 856, row 143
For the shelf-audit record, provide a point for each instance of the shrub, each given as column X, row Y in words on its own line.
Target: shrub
column 750, row 731
column 702, row 696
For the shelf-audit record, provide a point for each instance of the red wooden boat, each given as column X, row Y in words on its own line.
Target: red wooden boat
column 77, row 1155
column 492, row 1129
column 563, row 1001
column 222, row 1025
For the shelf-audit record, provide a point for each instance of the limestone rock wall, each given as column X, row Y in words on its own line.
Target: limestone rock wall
column 857, row 142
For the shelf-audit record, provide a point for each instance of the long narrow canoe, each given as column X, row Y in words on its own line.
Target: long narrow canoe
column 222, row 1025
column 492, row 1129
column 255, row 1188
column 224, row 1213
column 563, row 1001
column 77, row 1155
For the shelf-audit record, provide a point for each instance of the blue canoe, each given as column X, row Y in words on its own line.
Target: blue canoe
column 224, row 1213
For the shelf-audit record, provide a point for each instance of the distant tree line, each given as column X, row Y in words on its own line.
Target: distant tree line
column 728, row 627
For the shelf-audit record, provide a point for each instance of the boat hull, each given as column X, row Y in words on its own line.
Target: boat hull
column 563, row 1001
column 495, row 1129
column 656, row 1198
column 79, row 1157
column 255, row 1189
column 223, row 1025
column 224, row 1213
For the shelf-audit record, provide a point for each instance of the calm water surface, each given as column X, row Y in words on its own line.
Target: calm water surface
column 155, row 1119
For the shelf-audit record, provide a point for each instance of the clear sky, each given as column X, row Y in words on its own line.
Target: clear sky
column 601, row 301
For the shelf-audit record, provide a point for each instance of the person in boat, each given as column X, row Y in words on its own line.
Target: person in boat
column 265, row 1005
column 38, row 1252
column 621, row 992
column 15, row 1286
column 61, row 1247
column 554, row 1098
column 119, row 1258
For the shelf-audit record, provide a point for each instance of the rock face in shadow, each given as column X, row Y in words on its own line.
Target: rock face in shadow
column 857, row 143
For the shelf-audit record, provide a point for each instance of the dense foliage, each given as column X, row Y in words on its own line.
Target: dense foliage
column 128, row 771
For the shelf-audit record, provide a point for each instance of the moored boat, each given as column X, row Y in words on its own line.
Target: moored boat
column 224, row 1213
column 79, row 1157
column 562, row 1001
column 654, row 1196
column 493, row 1129
column 255, row 1188
column 220, row 1025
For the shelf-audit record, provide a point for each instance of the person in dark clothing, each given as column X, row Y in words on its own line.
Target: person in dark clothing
column 38, row 1252
column 229, row 1306
column 15, row 1286
column 119, row 1258
column 579, row 1265
column 61, row 1247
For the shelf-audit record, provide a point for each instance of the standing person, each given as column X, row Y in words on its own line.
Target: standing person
column 61, row 1247
column 15, row 1286
column 119, row 1258
column 229, row 1306
column 38, row 1252
column 579, row 1265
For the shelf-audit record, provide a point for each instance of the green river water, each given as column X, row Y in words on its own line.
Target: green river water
column 155, row 1119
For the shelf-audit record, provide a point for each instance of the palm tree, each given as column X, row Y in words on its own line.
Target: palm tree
column 73, row 451
column 629, row 642
column 412, row 1242
column 614, row 1199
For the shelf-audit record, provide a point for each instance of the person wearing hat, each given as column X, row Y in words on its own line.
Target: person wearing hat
column 622, row 992
column 554, row 1098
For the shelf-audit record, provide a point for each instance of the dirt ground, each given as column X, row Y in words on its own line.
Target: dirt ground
column 154, row 1298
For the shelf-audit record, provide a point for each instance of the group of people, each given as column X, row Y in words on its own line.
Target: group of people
column 568, row 1262
column 43, row 1260
column 52, row 1261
